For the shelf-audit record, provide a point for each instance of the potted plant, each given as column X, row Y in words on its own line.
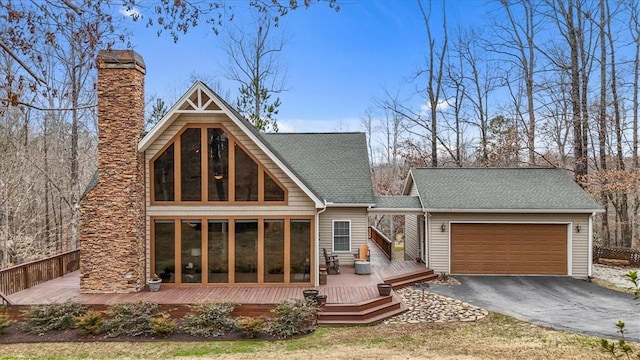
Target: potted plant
column 384, row 289
column 154, row 282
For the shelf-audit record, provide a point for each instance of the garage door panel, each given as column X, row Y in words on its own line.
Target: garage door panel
column 509, row 249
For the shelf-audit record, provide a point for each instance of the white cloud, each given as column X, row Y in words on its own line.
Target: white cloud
column 131, row 12
column 442, row 105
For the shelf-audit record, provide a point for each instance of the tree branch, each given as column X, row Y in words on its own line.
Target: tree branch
column 22, row 64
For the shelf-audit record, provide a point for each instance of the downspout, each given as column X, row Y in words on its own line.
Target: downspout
column 427, row 238
column 317, row 244
column 590, row 242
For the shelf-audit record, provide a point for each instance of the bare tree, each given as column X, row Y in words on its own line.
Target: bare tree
column 254, row 63
column 517, row 43
column 434, row 74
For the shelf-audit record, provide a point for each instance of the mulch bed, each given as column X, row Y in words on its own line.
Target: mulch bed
column 14, row 334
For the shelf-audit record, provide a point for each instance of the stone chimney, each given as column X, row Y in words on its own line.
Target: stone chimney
column 112, row 227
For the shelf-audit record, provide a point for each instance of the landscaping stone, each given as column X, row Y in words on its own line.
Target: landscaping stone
column 424, row 306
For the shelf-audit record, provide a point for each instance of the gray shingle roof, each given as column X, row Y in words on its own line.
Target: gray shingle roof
column 398, row 202
column 532, row 189
column 335, row 166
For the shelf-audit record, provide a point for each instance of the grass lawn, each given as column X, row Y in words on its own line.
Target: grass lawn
column 495, row 337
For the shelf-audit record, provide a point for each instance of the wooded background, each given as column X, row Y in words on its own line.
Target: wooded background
column 550, row 83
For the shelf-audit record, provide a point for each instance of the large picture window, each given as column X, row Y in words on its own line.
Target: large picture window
column 226, row 172
column 261, row 250
column 341, row 235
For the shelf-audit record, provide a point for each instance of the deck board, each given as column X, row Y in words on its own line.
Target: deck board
column 345, row 288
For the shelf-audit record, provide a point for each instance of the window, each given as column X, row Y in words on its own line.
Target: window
column 164, row 250
column 246, row 251
column 218, row 158
column 246, row 177
column 262, row 250
column 342, row 235
column 190, row 151
column 163, row 176
column 205, row 164
column 300, row 251
column 272, row 191
column 273, row 251
column 191, row 251
column 218, row 254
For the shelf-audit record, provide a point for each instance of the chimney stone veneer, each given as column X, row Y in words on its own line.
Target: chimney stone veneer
column 112, row 232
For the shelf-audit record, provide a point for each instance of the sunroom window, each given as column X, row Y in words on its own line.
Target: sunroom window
column 184, row 173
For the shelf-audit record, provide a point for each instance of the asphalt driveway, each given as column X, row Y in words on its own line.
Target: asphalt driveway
column 561, row 303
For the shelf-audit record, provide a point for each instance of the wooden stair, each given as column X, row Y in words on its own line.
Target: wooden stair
column 362, row 313
column 408, row 279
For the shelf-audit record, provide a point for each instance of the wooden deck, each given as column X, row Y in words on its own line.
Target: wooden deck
column 344, row 288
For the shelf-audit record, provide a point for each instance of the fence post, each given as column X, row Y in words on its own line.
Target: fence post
column 25, row 277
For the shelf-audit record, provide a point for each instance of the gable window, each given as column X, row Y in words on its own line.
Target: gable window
column 246, row 177
column 272, row 191
column 218, row 158
column 163, row 176
column 205, row 164
column 341, row 235
column 191, row 172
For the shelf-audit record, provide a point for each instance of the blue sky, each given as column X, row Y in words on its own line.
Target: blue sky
column 336, row 62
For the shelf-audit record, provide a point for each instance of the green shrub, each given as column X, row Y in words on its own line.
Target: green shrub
column 42, row 318
column 292, row 317
column 91, row 323
column 5, row 322
column 209, row 320
column 251, row 327
column 163, row 326
column 131, row 319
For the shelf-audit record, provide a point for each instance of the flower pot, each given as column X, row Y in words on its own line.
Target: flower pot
column 384, row 289
column 154, row 285
column 321, row 300
column 310, row 294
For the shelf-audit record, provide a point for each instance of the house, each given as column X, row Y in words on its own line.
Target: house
column 532, row 221
column 206, row 199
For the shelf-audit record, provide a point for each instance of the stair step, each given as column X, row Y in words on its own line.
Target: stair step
column 368, row 321
column 409, row 282
column 357, row 315
column 368, row 304
column 368, row 316
column 419, row 273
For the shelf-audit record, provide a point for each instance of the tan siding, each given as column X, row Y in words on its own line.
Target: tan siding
column 413, row 190
column 578, row 253
column 359, row 231
column 411, row 236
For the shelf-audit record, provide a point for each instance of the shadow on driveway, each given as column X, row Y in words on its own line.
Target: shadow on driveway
column 561, row 303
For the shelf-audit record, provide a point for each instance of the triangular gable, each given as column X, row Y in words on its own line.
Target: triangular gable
column 407, row 183
column 200, row 99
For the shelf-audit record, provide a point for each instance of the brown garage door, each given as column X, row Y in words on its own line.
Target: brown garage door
column 539, row 249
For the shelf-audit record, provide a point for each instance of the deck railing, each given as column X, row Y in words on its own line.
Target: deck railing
column 382, row 241
column 24, row 276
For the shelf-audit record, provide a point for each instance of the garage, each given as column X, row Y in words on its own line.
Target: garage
column 508, row 248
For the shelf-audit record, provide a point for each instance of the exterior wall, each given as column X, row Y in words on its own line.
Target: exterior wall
column 411, row 231
column 112, row 231
column 299, row 204
column 411, row 237
column 359, row 231
column 438, row 244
